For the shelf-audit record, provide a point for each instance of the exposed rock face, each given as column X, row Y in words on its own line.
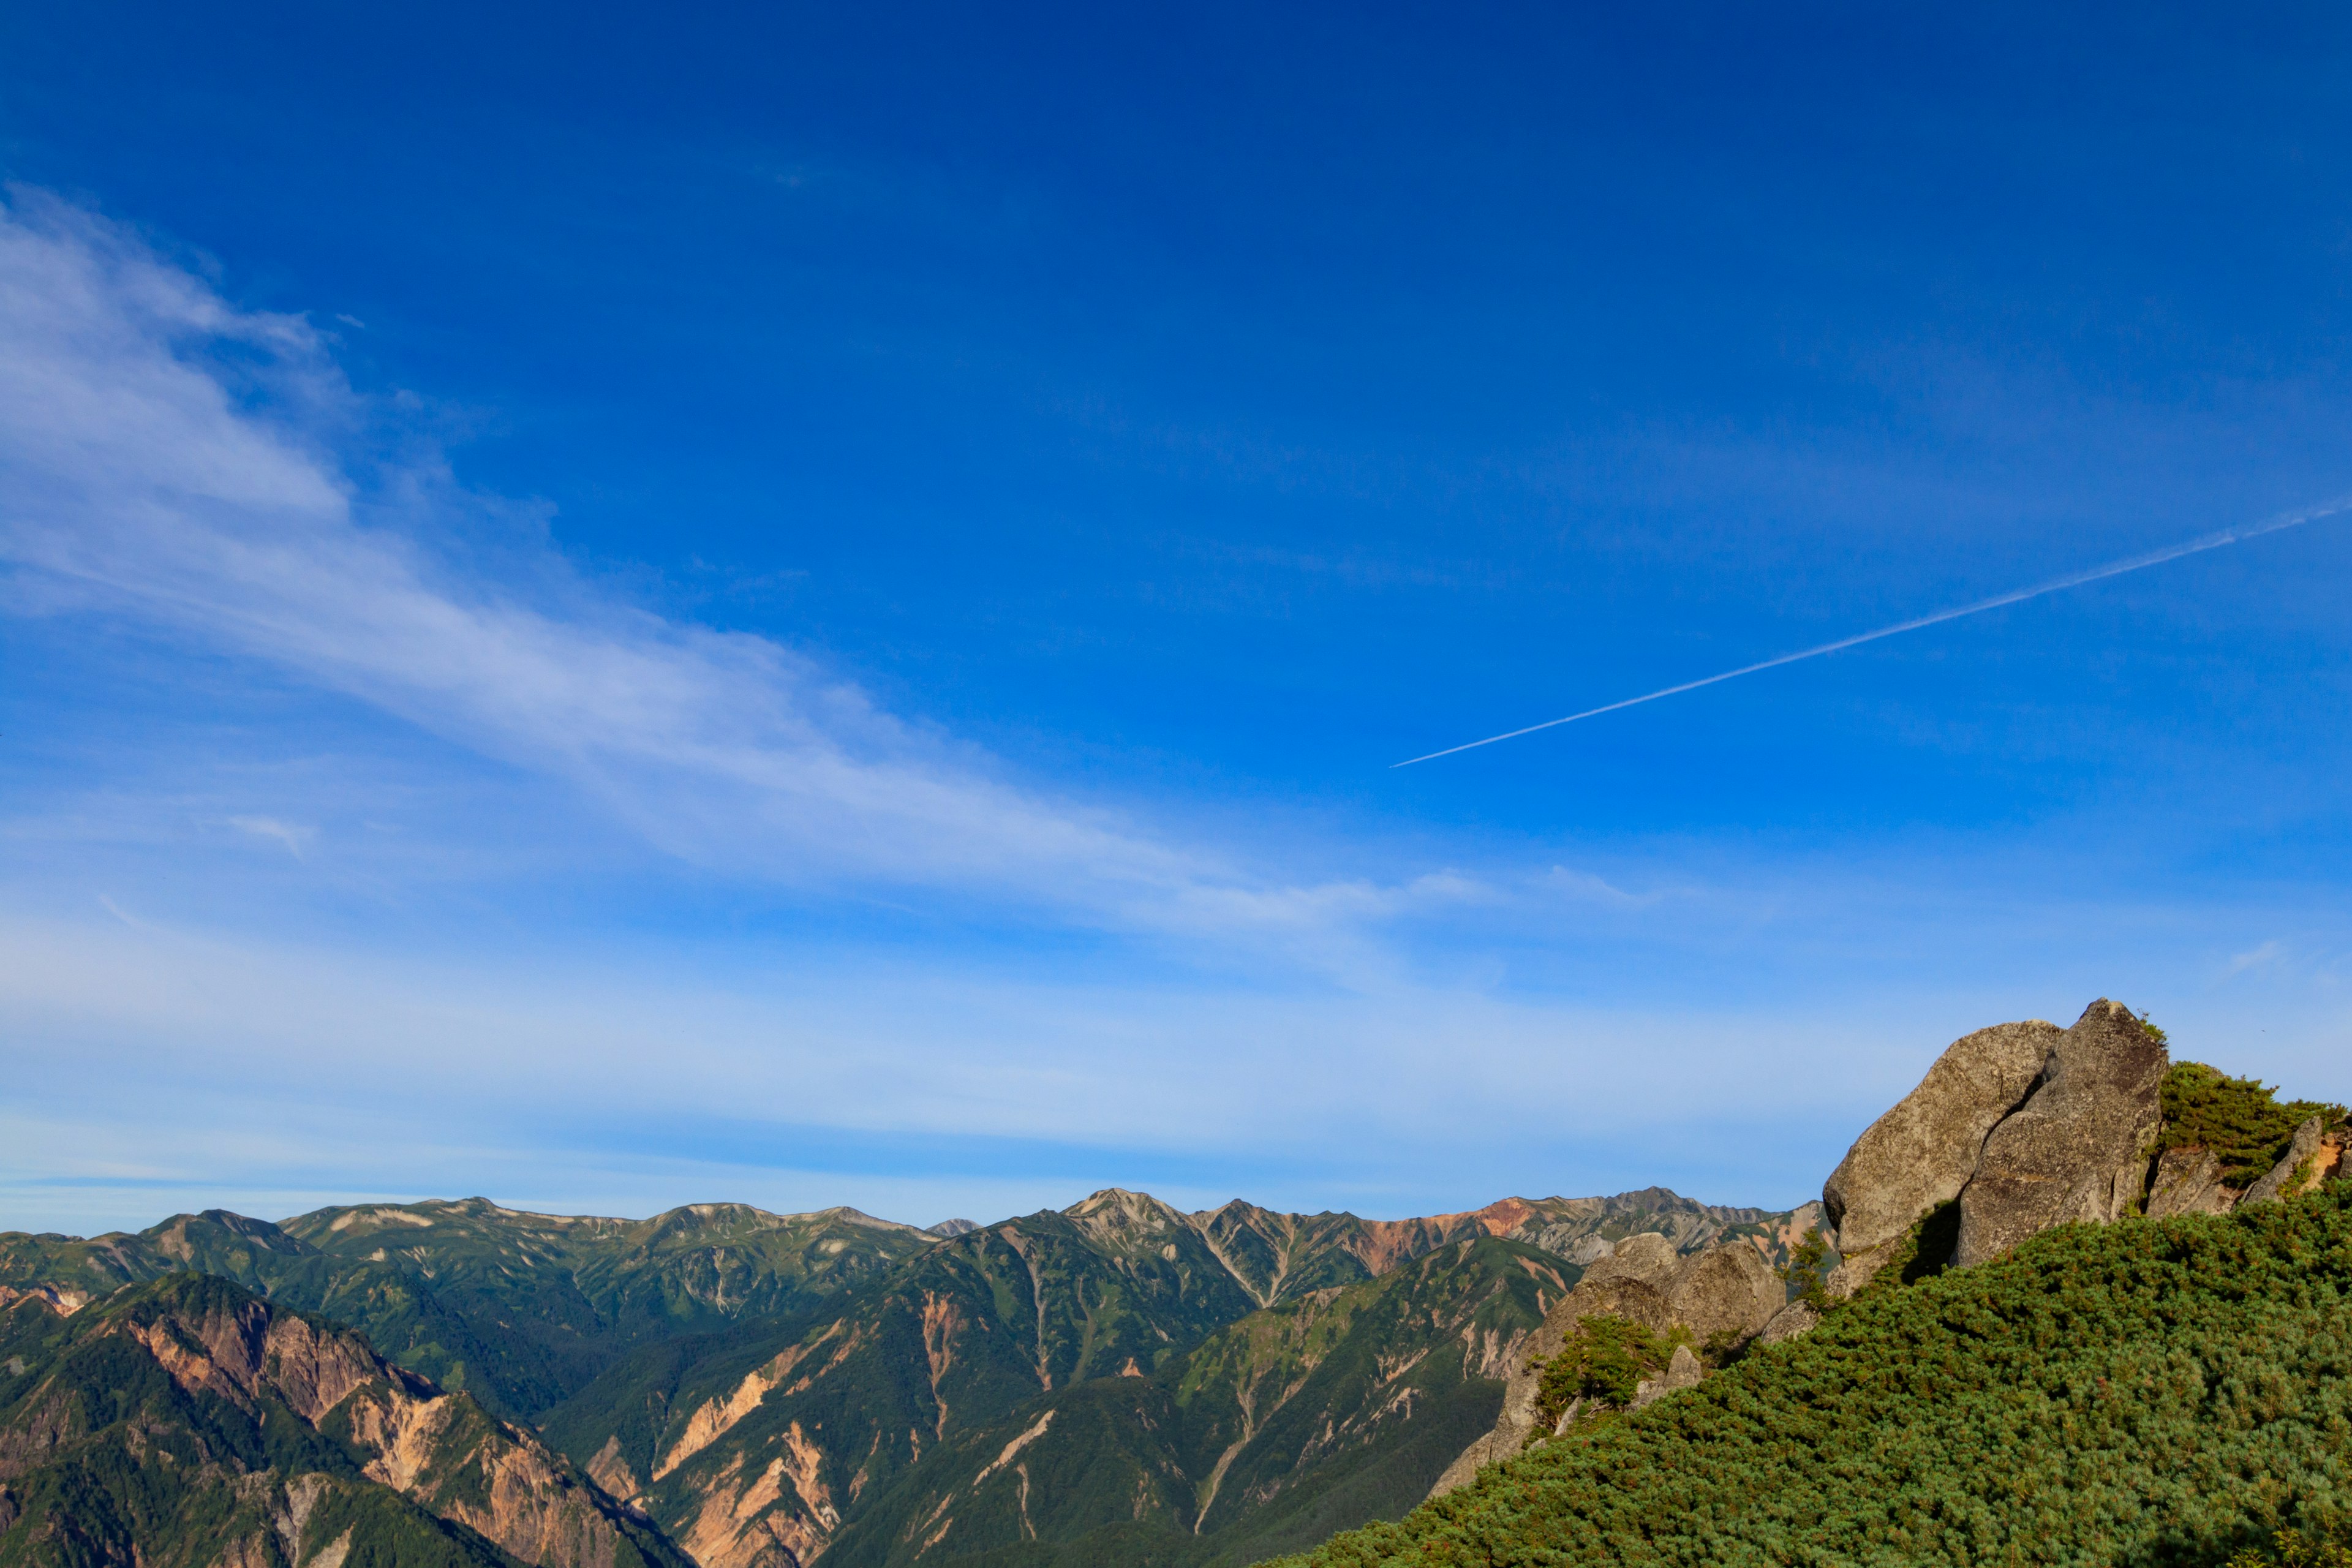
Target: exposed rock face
column 2188, row 1181
column 2297, row 1170
column 1632, row 1281
column 267, row 1369
column 1923, row 1152
column 1727, row 1289
column 1796, row 1318
column 1683, row 1371
column 2077, row 1149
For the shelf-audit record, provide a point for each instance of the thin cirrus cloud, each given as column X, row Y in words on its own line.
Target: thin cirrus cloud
column 202, row 467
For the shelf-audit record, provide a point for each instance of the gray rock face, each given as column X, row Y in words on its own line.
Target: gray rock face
column 1796, row 1318
column 1683, row 1371
column 2077, row 1149
column 1923, row 1152
column 2188, row 1181
column 1643, row 1279
column 1725, row 1291
column 2280, row 1181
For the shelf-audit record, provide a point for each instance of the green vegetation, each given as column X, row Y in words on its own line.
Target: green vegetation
column 1220, row 1387
column 2145, row 1392
column 1603, row 1359
column 2291, row 1548
column 1805, row 1273
column 521, row 1310
column 1299, row 1420
column 2240, row 1120
column 138, row 1430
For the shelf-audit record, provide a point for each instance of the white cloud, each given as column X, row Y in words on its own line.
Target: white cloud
column 293, row 836
column 171, row 458
column 2253, row 958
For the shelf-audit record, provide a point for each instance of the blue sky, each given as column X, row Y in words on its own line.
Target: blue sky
column 615, row 610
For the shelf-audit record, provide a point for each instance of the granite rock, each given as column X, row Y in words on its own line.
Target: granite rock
column 1921, row 1153
column 2077, row 1149
column 2302, row 1156
column 1725, row 1291
column 1683, row 1371
column 2188, row 1181
column 1796, row 1318
column 1646, row 1279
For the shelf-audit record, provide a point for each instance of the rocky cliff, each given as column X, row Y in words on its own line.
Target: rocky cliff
column 187, row 1421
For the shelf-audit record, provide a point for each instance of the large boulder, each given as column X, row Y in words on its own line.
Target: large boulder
column 2297, row 1170
column 2188, row 1181
column 2077, row 1149
column 1923, row 1152
column 1727, row 1290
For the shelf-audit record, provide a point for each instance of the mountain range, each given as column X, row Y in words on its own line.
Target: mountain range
column 1122, row 1382
column 1120, row 1377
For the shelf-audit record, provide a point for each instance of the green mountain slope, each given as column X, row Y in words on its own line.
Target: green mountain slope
column 1329, row 1410
column 774, row 1442
column 760, row 1383
column 186, row 1421
column 2150, row 1392
column 520, row 1309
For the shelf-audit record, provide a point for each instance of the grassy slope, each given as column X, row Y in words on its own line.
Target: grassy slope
column 2150, row 1392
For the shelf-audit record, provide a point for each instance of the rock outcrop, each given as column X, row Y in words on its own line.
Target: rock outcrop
column 1796, row 1318
column 1683, row 1371
column 1923, row 1152
column 2188, row 1181
column 2297, row 1170
column 2077, row 1149
column 1726, row 1290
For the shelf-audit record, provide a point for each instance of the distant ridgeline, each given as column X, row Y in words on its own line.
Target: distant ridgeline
column 1118, row 1381
column 1936, row 1363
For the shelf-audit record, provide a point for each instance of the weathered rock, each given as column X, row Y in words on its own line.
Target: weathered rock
column 1923, row 1152
column 2297, row 1170
column 2077, row 1149
column 1683, row 1371
column 1646, row 1256
column 2188, row 1181
column 1725, row 1291
column 1643, row 1279
column 1796, row 1318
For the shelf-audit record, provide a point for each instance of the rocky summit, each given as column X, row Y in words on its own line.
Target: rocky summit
column 1122, row 1382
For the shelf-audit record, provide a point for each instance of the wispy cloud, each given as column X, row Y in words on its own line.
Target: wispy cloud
column 293, row 836
column 205, row 469
column 2252, row 958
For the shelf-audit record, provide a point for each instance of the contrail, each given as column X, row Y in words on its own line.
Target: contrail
column 2075, row 580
